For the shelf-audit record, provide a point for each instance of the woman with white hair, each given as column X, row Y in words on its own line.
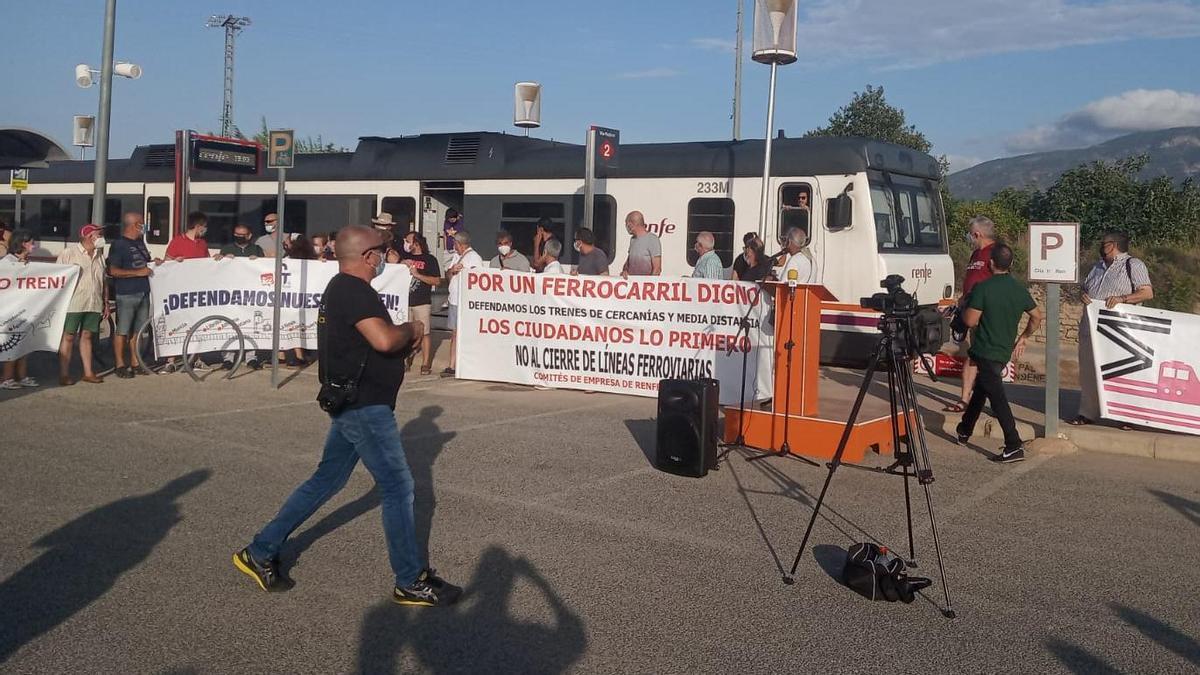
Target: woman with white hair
column 551, row 249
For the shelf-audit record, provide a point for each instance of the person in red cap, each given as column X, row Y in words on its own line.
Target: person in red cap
column 87, row 307
column 191, row 244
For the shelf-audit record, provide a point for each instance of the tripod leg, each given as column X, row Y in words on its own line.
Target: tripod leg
column 837, row 455
column 912, row 550
column 903, row 457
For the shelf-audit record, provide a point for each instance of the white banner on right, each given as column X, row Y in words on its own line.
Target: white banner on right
column 1142, row 364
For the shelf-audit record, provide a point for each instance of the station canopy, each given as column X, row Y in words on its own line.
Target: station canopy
column 22, row 148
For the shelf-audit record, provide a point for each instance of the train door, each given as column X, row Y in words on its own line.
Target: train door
column 438, row 197
column 160, row 224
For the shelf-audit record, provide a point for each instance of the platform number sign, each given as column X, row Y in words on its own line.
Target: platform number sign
column 19, row 180
column 608, row 144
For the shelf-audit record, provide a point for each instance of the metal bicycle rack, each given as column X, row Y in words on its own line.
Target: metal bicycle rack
column 241, row 346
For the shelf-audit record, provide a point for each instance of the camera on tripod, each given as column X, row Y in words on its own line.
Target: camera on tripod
column 915, row 329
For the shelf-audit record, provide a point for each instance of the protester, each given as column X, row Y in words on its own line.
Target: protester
column 269, row 241
column 464, row 258
column 994, row 310
column 550, row 252
column 708, row 265
column 299, row 247
column 384, row 222
column 507, row 257
column 981, row 235
column 129, row 266
column 87, row 307
column 452, row 226
column 645, row 250
column 241, row 247
column 755, row 265
column 358, row 330
column 320, row 242
column 542, row 235
column 426, row 274
column 191, row 244
column 1116, row 278
column 16, row 372
column 5, row 234
column 795, row 246
column 592, row 260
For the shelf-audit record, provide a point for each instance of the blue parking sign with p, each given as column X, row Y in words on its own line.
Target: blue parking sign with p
column 281, row 149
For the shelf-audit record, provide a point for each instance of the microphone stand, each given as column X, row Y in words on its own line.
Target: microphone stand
column 743, row 326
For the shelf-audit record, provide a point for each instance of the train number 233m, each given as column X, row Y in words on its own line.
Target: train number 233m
column 715, row 187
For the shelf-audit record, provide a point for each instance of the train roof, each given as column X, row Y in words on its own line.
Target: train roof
column 491, row 155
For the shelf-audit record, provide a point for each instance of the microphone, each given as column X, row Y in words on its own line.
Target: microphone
column 793, row 278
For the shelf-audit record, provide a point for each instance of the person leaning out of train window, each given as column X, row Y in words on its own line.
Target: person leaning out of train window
column 507, row 257
column 645, row 249
column 241, row 246
column 708, row 265
column 16, row 372
column 191, row 244
column 540, row 237
column 592, row 260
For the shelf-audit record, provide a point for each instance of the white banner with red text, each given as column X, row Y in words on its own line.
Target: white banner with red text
column 183, row 293
column 606, row 333
column 1145, row 364
column 33, row 305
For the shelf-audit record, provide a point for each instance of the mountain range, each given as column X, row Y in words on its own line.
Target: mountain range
column 1173, row 152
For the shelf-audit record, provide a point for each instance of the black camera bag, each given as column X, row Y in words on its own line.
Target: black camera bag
column 874, row 574
column 339, row 391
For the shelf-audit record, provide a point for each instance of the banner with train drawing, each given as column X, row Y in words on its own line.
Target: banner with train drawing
column 33, row 306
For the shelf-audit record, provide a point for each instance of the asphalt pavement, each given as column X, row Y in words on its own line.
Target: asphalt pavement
column 123, row 502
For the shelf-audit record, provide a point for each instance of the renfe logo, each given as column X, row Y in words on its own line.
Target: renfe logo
column 923, row 272
column 661, row 228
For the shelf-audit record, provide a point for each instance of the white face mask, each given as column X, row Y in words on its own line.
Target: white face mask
column 504, row 250
column 578, row 245
column 408, row 247
column 99, row 242
column 270, row 228
column 201, row 232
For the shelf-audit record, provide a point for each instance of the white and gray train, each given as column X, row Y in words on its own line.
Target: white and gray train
column 875, row 207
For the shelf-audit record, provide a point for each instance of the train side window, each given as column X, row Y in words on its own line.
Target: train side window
column 8, row 211
column 520, row 220
column 795, row 208
column 112, row 218
column 158, row 220
column 295, row 215
column 715, row 215
column 222, row 216
column 604, row 226
column 54, row 218
column 403, row 210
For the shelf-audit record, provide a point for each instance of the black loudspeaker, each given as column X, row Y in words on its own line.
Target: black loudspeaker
column 687, row 427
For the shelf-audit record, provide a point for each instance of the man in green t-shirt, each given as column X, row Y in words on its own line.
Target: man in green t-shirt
column 994, row 312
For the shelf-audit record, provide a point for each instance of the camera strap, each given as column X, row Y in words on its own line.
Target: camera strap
column 323, row 346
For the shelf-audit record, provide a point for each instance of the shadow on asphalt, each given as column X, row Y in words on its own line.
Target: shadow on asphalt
column 296, row 546
column 831, row 559
column 1079, row 660
column 1166, row 636
column 1186, row 507
column 478, row 634
column 645, row 432
column 84, row 559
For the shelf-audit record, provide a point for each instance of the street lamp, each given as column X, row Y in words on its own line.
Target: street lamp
column 85, row 74
column 775, row 44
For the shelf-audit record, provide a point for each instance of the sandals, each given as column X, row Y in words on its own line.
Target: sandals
column 1079, row 421
column 426, row 370
column 956, row 407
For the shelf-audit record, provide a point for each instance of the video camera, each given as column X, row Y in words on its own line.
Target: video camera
column 914, row 329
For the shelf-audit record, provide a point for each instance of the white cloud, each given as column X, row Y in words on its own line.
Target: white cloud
column 1098, row 121
column 650, row 73
column 912, row 34
column 714, row 44
column 960, row 162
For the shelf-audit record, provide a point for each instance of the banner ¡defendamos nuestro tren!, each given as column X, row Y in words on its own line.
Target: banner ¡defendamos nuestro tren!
column 183, row 293
column 606, row 333
column 33, row 306
column 1146, row 366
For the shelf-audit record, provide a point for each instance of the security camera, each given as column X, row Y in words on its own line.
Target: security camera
column 129, row 70
column 83, row 75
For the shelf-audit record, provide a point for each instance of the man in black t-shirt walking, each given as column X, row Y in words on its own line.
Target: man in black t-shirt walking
column 359, row 340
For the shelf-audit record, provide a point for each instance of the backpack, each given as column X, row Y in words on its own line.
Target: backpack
column 875, row 573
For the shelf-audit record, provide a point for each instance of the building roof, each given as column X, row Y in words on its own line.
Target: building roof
column 22, row 148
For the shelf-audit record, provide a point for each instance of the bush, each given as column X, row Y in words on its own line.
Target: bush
column 1173, row 274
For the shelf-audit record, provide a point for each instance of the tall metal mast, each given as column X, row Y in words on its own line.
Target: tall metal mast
column 232, row 25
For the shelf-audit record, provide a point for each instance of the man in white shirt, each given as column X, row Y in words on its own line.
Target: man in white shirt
column 798, row 259
column 550, row 252
column 87, row 307
column 464, row 258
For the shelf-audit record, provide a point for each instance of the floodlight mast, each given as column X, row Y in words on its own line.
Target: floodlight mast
column 232, row 25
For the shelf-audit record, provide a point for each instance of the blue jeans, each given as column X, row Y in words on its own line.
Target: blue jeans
column 369, row 434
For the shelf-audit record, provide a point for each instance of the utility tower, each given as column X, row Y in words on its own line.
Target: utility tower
column 232, row 25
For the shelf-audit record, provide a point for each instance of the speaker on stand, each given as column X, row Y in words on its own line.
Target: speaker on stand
column 686, row 438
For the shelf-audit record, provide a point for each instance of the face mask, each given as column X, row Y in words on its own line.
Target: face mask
column 504, row 250
column 969, row 238
column 99, row 242
column 270, row 228
column 578, row 245
column 242, row 239
column 408, row 247
column 201, row 232
column 379, row 265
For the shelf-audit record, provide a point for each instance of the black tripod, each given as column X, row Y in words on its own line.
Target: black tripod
column 785, row 449
column 912, row 459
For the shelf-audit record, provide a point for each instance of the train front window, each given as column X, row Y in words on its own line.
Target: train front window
column 908, row 216
column 795, row 208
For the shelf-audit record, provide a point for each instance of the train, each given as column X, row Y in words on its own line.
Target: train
column 871, row 208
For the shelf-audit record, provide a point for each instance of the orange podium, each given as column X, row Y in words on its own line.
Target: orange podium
column 794, row 416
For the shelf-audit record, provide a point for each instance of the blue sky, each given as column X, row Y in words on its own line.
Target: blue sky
column 981, row 78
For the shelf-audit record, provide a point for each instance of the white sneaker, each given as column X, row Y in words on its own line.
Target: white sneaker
column 28, row 382
column 9, row 384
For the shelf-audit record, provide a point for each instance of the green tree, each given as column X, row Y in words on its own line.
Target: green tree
column 869, row 115
column 304, row 146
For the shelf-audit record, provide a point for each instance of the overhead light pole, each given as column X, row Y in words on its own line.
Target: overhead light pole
column 232, row 25
column 737, row 77
column 774, row 44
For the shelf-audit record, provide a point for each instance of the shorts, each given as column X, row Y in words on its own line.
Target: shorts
column 420, row 313
column 452, row 317
column 88, row 321
column 132, row 312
